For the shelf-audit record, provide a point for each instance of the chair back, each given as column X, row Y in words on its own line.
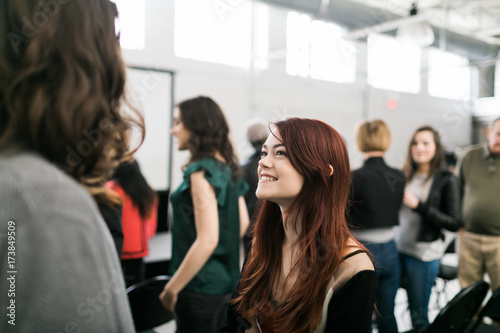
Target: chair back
column 491, row 310
column 147, row 310
column 492, row 307
column 458, row 313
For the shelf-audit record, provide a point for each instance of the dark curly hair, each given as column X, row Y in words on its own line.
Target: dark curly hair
column 130, row 178
column 203, row 117
column 62, row 86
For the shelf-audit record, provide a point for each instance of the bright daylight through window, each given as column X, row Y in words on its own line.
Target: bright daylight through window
column 393, row 65
column 221, row 32
column 315, row 49
column 132, row 23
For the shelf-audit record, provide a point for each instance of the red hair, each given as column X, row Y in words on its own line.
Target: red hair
column 312, row 147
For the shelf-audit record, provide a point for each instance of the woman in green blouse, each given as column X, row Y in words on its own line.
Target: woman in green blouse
column 209, row 218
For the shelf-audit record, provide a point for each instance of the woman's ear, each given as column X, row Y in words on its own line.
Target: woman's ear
column 331, row 169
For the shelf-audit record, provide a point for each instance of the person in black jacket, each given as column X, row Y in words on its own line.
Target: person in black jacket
column 377, row 194
column 431, row 204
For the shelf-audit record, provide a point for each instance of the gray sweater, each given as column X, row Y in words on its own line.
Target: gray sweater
column 59, row 271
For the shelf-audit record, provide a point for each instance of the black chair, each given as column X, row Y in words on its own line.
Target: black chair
column 490, row 310
column 458, row 313
column 147, row 310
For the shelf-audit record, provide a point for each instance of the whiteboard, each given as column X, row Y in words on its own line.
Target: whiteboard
column 150, row 91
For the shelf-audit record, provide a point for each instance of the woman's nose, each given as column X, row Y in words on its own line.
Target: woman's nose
column 264, row 162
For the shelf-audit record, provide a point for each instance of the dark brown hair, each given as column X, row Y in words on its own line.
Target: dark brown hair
column 62, row 86
column 410, row 166
column 130, row 178
column 312, row 147
column 203, row 117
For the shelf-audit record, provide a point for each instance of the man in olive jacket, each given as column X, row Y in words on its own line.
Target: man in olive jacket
column 478, row 171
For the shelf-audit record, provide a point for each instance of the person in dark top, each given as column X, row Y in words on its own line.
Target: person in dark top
column 209, row 218
column 257, row 133
column 304, row 272
column 377, row 194
column 111, row 214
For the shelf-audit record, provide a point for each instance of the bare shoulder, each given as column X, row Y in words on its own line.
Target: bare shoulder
column 357, row 260
column 197, row 176
column 198, row 180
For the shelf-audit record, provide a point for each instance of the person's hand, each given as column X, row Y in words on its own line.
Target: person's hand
column 168, row 298
column 409, row 200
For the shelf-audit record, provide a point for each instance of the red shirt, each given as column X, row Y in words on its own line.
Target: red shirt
column 136, row 231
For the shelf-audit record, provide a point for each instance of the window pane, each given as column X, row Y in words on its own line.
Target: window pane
column 131, row 21
column 297, row 44
column 332, row 58
column 213, row 31
column 261, row 36
column 449, row 76
column 392, row 65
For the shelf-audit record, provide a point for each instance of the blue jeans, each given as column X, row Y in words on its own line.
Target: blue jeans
column 418, row 279
column 388, row 275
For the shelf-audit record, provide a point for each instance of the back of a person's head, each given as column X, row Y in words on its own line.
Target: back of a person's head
column 209, row 130
column 62, row 84
column 129, row 177
column 257, row 132
column 373, row 136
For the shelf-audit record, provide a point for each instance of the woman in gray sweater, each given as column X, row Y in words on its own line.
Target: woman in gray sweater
column 61, row 133
column 431, row 203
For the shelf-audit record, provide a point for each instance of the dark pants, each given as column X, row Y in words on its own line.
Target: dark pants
column 198, row 313
column 133, row 271
column 388, row 276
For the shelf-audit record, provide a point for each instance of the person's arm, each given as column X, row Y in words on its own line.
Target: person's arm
column 244, row 218
column 207, row 237
column 350, row 309
column 448, row 215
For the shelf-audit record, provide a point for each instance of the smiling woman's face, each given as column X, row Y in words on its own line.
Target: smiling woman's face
column 279, row 181
column 423, row 148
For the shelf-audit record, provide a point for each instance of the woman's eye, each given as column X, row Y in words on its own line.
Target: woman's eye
column 280, row 153
column 263, row 154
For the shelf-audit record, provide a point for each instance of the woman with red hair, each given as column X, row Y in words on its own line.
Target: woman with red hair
column 304, row 272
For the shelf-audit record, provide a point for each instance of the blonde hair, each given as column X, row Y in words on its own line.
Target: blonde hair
column 373, row 136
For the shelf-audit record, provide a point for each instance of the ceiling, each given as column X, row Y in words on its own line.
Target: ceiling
column 467, row 27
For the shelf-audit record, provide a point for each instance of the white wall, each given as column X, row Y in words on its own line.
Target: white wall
column 272, row 94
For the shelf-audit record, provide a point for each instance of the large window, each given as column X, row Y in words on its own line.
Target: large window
column 393, row 65
column 449, row 75
column 315, row 49
column 217, row 31
column 131, row 23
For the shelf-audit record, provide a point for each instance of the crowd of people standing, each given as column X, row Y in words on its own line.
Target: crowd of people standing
column 327, row 248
